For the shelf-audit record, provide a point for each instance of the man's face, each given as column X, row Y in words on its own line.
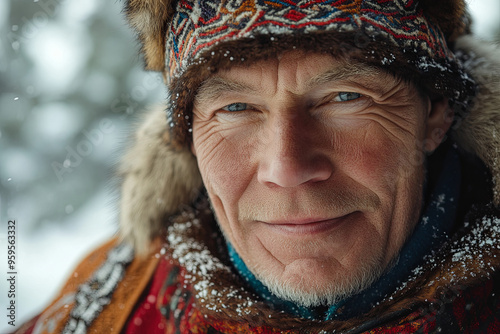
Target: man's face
column 314, row 170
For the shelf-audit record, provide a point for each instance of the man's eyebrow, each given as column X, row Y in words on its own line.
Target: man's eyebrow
column 214, row 87
column 345, row 72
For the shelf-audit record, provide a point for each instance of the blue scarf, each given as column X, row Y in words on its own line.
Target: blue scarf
column 434, row 227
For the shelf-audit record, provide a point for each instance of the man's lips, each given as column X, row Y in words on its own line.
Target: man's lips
column 306, row 226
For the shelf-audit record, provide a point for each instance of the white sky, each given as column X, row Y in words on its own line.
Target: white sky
column 486, row 14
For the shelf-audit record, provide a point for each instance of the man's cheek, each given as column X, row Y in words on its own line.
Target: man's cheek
column 225, row 172
column 372, row 161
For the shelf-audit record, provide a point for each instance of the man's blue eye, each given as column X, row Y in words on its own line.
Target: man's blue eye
column 347, row 96
column 236, row 107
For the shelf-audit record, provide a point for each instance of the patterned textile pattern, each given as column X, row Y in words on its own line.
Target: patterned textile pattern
column 198, row 25
column 96, row 293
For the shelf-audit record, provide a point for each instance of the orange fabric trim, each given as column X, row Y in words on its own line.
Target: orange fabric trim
column 137, row 276
column 27, row 327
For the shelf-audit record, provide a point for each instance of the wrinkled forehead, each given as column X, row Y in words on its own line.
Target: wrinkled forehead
column 312, row 62
column 295, row 71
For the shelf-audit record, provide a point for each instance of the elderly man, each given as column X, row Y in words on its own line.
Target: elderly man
column 325, row 166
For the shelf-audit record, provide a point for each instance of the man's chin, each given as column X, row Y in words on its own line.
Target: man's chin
column 315, row 285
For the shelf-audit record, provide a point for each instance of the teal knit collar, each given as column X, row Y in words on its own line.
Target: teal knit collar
column 435, row 225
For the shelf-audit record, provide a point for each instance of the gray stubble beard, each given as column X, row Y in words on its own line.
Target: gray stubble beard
column 341, row 288
column 331, row 295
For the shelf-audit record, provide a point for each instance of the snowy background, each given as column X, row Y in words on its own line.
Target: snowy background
column 71, row 87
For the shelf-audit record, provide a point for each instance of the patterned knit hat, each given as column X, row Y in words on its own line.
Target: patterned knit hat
column 188, row 40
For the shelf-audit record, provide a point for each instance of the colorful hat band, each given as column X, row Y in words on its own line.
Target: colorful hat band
column 205, row 35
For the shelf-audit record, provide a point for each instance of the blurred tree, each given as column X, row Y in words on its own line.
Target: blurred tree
column 65, row 66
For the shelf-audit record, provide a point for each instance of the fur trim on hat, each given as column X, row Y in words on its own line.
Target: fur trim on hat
column 479, row 132
column 449, row 15
column 158, row 177
column 150, row 19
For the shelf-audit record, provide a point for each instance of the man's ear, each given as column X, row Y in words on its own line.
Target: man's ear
column 438, row 122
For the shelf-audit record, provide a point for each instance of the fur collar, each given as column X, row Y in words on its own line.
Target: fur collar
column 159, row 179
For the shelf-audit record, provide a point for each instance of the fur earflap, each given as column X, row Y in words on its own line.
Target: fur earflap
column 151, row 18
column 158, row 179
column 479, row 132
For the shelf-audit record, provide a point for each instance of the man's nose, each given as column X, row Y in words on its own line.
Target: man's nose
column 294, row 153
